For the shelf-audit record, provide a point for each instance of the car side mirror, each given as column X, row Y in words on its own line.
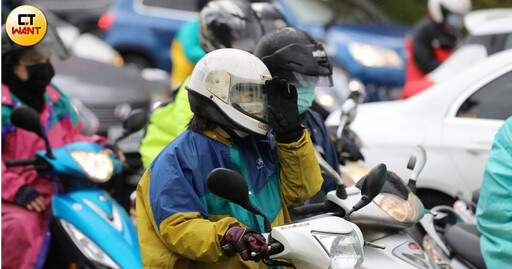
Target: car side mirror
column 231, row 186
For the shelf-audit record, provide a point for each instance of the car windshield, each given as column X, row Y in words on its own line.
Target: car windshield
column 465, row 56
column 340, row 11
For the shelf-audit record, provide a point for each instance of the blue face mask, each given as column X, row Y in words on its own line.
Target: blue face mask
column 305, row 97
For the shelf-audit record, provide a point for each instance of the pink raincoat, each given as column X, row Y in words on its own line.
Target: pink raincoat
column 24, row 231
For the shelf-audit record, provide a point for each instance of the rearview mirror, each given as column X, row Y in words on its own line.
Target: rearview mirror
column 372, row 186
column 231, row 185
column 135, row 122
column 27, row 118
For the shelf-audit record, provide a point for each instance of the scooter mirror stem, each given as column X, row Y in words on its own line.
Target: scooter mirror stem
column 416, row 164
column 327, row 170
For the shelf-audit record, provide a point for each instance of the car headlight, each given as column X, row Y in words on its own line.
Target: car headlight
column 87, row 246
column 373, row 56
column 398, row 208
column 97, row 166
column 345, row 250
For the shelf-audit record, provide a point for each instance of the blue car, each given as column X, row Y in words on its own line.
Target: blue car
column 142, row 30
column 362, row 42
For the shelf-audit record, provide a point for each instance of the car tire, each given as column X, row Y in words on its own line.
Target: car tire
column 431, row 198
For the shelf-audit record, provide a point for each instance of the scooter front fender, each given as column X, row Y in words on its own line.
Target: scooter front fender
column 104, row 221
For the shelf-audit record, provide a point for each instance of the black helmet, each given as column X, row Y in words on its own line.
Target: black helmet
column 269, row 16
column 294, row 55
column 229, row 24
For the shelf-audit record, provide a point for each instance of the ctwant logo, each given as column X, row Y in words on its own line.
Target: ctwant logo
column 26, row 25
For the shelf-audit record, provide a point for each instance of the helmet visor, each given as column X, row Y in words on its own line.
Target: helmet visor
column 250, row 98
column 302, row 80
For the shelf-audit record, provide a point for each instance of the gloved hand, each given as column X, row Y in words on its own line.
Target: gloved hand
column 283, row 114
column 245, row 242
column 30, row 198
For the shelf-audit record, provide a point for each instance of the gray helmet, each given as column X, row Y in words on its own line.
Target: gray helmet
column 229, row 24
column 269, row 16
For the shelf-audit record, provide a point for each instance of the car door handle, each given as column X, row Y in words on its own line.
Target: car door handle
column 478, row 148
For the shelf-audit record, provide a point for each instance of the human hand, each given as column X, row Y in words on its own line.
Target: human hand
column 283, row 113
column 249, row 244
column 30, row 198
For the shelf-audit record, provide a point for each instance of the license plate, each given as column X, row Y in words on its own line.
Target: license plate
column 130, row 144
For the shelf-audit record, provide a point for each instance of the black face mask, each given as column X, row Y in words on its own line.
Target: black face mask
column 32, row 90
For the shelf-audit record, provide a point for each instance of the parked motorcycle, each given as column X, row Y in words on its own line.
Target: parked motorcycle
column 320, row 242
column 384, row 220
column 89, row 229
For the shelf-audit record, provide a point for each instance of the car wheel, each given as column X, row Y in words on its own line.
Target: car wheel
column 137, row 61
column 431, row 198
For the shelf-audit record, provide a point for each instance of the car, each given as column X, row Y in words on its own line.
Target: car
column 490, row 31
column 142, row 30
column 360, row 40
column 455, row 121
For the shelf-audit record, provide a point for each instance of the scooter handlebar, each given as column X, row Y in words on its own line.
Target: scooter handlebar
column 318, row 208
column 21, row 162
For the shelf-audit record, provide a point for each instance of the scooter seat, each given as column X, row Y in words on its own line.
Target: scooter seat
column 464, row 240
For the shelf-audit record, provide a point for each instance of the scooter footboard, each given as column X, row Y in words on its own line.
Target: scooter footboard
column 401, row 252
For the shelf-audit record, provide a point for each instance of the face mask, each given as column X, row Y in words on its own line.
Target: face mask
column 39, row 76
column 305, row 97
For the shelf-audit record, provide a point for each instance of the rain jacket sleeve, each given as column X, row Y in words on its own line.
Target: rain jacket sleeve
column 494, row 212
column 300, row 176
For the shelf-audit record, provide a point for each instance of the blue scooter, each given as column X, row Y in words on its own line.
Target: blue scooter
column 88, row 228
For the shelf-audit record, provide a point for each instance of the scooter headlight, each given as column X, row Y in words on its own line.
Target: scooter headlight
column 399, row 209
column 345, row 250
column 88, row 247
column 98, row 166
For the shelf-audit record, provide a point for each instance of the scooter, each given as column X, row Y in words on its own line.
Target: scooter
column 318, row 242
column 88, row 228
column 384, row 220
column 450, row 236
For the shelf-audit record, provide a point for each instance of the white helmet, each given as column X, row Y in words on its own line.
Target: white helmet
column 227, row 86
column 438, row 8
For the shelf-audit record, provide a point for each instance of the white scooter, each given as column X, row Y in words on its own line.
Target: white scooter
column 321, row 242
column 383, row 221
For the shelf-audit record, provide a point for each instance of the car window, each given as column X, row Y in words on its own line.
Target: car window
column 492, row 101
column 187, row 5
column 325, row 11
column 508, row 42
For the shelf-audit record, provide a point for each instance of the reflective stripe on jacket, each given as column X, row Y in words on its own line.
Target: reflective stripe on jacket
column 180, row 223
